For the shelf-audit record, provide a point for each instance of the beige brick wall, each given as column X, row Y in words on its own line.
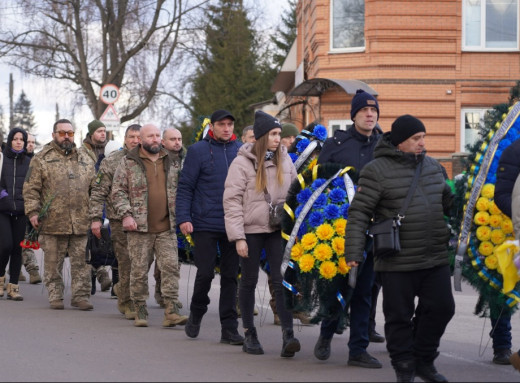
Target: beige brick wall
column 413, row 56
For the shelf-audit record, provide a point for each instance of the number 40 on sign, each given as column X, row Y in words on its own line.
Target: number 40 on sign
column 109, row 93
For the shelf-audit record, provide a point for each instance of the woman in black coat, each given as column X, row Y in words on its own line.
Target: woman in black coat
column 13, row 221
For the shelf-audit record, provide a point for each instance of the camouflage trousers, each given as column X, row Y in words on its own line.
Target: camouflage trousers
column 55, row 248
column 29, row 260
column 120, row 244
column 142, row 247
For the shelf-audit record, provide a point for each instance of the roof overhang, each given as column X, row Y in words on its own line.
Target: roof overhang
column 285, row 78
column 317, row 86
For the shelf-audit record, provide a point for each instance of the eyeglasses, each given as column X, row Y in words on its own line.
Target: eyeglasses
column 61, row 133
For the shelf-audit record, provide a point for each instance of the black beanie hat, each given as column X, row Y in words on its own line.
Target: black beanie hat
column 264, row 123
column 361, row 100
column 405, row 127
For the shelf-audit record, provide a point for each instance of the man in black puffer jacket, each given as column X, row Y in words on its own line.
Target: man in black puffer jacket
column 421, row 269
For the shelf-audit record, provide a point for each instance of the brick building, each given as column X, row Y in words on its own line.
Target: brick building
column 444, row 61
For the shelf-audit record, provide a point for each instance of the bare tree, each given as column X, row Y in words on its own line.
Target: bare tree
column 90, row 43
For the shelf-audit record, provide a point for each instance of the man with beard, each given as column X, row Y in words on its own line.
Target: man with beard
column 143, row 192
column 94, row 144
column 172, row 142
column 61, row 175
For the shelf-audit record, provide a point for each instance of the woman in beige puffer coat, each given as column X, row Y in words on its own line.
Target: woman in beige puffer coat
column 263, row 164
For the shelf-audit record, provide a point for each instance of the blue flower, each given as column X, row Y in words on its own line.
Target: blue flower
column 315, row 219
column 344, row 210
column 302, row 230
column 293, row 156
column 316, row 184
column 337, row 195
column 320, row 202
column 302, row 145
column 298, row 211
column 338, row 182
column 320, row 132
column 304, row 196
column 331, row 212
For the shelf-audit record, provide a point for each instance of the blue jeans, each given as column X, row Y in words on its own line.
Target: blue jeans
column 360, row 306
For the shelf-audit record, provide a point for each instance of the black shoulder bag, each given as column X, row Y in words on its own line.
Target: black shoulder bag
column 275, row 211
column 99, row 251
column 386, row 232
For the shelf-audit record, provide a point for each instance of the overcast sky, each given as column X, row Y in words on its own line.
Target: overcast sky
column 44, row 94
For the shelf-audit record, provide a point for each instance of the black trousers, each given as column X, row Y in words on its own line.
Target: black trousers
column 12, row 232
column 411, row 337
column 250, row 267
column 208, row 246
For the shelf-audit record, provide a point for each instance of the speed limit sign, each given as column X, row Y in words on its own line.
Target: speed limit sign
column 109, row 93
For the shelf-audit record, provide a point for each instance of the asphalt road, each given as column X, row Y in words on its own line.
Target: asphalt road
column 39, row 344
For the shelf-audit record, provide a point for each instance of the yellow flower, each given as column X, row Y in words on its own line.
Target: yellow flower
column 485, row 248
column 308, row 241
column 507, row 225
column 488, row 191
column 493, row 208
column 342, row 266
column 297, row 251
column 306, row 263
column 328, row 270
column 482, row 204
column 481, row 218
column 491, row 262
column 483, row 233
column 338, row 245
column 339, row 225
column 322, row 252
column 495, row 220
column 325, row 231
column 497, row 236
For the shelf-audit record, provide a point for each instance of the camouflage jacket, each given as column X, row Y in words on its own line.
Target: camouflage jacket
column 102, row 187
column 66, row 178
column 130, row 188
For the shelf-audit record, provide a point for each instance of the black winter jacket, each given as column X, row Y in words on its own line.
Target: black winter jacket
column 350, row 148
column 14, row 169
column 382, row 189
column 508, row 170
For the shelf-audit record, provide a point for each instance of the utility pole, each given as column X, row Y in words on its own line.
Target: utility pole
column 57, row 112
column 11, row 101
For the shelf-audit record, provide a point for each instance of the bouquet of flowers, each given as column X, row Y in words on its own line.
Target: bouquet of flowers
column 31, row 238
column 316, row 278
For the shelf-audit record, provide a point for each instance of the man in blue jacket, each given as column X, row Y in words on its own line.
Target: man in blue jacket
column 200, row 213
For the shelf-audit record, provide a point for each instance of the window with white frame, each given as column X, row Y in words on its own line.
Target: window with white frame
column 338, row 125
column 472, row 121
column 348, row 25
column 490, row 24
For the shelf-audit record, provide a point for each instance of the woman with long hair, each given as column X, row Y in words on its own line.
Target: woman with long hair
column 259, row 168
column 13, row 221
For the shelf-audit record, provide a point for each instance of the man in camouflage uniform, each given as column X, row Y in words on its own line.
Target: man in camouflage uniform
column 94, row 144
column 63, row 173
column 172, row 142
column 100, row 197
column 143, row 192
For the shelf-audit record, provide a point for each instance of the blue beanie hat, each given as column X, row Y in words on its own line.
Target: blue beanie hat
column 360, row 100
